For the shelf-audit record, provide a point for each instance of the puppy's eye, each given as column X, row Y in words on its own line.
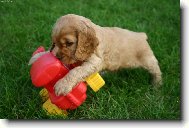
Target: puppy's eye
column 68, row 44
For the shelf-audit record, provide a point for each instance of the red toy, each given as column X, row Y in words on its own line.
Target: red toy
column 46, row 71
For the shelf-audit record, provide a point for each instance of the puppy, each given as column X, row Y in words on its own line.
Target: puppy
column 77, row 39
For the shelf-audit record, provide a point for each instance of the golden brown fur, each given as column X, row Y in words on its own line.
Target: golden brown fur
column 76, row 38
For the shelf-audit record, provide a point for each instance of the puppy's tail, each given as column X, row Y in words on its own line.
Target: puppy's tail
column 144, row 35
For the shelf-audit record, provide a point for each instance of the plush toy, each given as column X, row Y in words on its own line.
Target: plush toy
column 46, row 70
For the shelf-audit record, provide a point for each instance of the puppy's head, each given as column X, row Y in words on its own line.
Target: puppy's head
column 73, row 38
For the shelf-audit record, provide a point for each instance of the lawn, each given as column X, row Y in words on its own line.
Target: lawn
column 127, row 94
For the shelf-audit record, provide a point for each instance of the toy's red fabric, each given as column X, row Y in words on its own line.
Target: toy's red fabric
column 47, row 70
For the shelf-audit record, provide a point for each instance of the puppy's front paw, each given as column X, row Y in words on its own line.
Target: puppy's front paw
column 62, row 87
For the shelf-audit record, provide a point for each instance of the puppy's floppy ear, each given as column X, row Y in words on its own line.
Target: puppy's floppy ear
column 87, row 41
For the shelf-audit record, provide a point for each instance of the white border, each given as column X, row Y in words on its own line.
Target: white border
column 94, row 124
column 129, row 124
column 185, row 62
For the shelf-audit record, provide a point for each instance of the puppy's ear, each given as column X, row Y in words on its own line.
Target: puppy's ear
column 87, row 42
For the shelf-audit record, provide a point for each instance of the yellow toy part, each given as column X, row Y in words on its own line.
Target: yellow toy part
column 52, row 109
column 44, row 94
column 95, row 81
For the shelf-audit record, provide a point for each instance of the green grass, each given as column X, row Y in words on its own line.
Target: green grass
column 127, row 94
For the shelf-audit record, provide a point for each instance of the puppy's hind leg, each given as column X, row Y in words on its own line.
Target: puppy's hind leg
column 150, row 63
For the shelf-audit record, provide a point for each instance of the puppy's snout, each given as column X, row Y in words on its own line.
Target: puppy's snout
column 59, row 55
column 54, row 50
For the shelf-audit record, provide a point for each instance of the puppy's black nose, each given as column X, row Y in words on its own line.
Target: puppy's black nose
column 52, row 47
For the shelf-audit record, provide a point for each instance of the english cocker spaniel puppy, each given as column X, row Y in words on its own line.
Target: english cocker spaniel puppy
column 77, row 39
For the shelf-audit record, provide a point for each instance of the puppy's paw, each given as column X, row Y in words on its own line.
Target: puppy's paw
column 62, row 87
